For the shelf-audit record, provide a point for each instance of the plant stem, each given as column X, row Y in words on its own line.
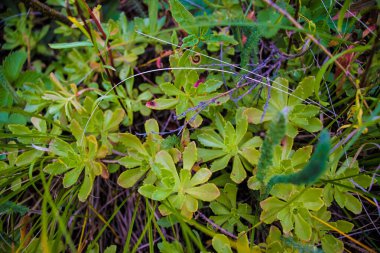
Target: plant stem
column 50, row 12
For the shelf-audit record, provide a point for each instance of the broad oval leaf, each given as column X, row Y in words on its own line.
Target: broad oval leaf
column 56, row 168
column 131, row 141
column 71, row 177
column 190, row 156
column 238, row 173
column 211, row 139
column 129, row 162
column 162, row 103
column 28, row 157
column 200, row 177
column 86, row 187
column 221, row 244
column 130, row 177
column 165, row 159
column 206, row 192
column 183, row 17
column 302, row 228
column 61, row 148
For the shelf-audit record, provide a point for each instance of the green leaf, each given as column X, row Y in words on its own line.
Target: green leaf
column 151, row 126
column 206, row 192
column 61, row 148
column 183, row 17
column 190, row 41
column 170, row 142
column 344, row 226
column 242, row 243
column 153, row 15
column 174, row 247
column 330, row 244
column 270, row 19
column 353, row 204
column 86, row 187
column 210, row 154
column 219, row 209
column 56, row 168
column 302, row 228
column 130, row 177
column 162, row 103
column 28, row 157
column 251, row 155
column 241, row 126
column 76, row 129
column 209, row 86
column 112, row 119
column 254, row 115
column 304, row 90
column 253, row 183
column 363, row 180
column 230, row 135
column 71, row 177
column 238, row 173
column 286, row 218
column 155, row 193
column 221, row 244
column 110, row 249
column 218, row 38
column 165, row 159
column 71, row 45
column 200, row 177
column 279, row 95
column 13, row 65
column 301, row 156
column 21, row 130
column 220, row 163
column 131, row 141
column 129, row 162
column 211, row 139
column 269, row 206
column 92, row 146
column 191, row 204
column 189, row 156
column 311, row 199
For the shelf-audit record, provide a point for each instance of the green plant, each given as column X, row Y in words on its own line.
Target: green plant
column 230, row 143
column 292, row 205
column 299, row 115
column 313, row 170
column 140, row 158
column 187, row 188
column 73, row 159
column 228, row 213
column 347, row 176
column 11, row 76
column 285, row 161
column 131, row 126
column 18, row 33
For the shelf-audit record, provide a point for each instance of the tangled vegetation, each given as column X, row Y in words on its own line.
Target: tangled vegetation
column 189, row 126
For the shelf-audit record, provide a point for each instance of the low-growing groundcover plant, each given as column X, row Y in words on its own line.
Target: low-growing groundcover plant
column 189, row 126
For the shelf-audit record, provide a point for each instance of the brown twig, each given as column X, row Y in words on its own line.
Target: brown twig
column 216, row 226
column 43, row 8
column 109, row 74
column 103, row 34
